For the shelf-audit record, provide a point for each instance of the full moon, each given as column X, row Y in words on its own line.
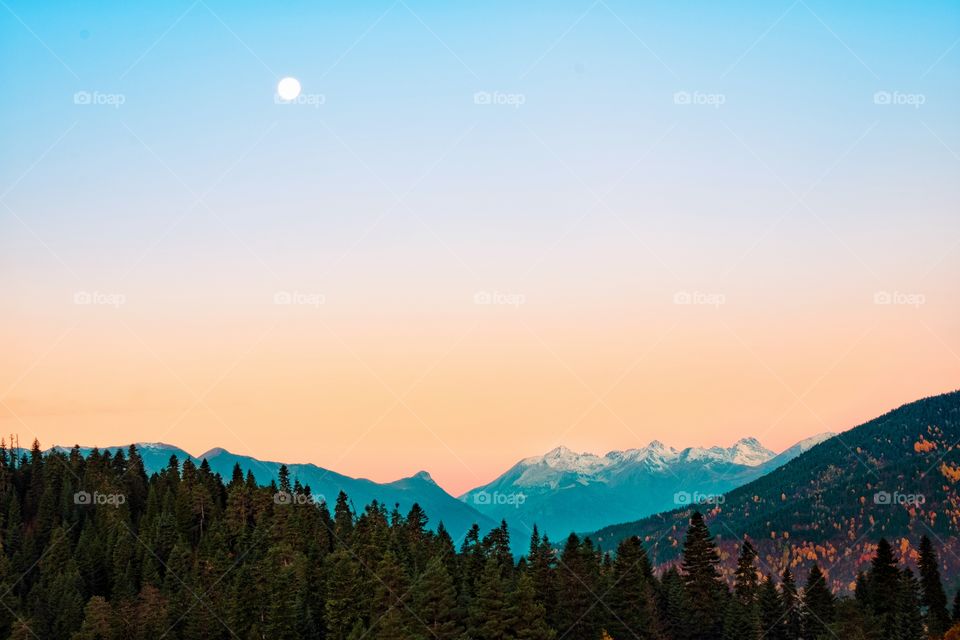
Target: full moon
column 288, row 88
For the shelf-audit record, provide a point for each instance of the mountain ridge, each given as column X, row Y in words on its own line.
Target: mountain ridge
column 563, row 491
column 895, row 476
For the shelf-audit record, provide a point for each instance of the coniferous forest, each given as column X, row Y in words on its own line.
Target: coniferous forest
column 93, row 549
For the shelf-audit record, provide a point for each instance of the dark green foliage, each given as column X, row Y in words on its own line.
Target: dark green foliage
column 435, row 603
column 706, row 591
column 742, row 619
column 934, row 599
column 489, row 612
column 184, row 556
column 632, row 603
column 792, row 607
column 771, row 610
column 818, row 605
column 578, row 578
column 528, row 617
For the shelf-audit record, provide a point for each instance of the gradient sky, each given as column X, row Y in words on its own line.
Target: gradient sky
column 393, row 198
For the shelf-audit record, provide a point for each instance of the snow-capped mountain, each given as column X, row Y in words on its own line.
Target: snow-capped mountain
column 563, row 491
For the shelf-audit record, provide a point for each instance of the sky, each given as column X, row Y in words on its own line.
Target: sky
column 481, row 231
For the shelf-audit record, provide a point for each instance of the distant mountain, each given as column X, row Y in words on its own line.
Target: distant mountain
column 563, row 491
column 894, row 477
column 420, row 488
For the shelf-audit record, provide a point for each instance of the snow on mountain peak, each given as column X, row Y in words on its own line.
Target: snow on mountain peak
column 562, row 462
column 749, row 452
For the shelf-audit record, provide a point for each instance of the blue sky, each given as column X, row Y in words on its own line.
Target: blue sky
column 796, row 156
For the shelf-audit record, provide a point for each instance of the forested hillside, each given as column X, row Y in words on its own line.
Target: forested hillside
column 894, row 477
column 94, row 549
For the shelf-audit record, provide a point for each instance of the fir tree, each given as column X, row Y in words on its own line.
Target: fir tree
column 909, row 618
column 771, row 613
column 818, row 603
column 934, row 599
column 674, row 606
column 434, row 600
column 742, row 619
column 632, row 604
column 792, row 607
column 528, row 617
column 488, row 611
column 706, row 592
column 577, row 577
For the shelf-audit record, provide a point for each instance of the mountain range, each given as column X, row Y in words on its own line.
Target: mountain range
column 563, row 491
column 324, row 484
column 560, row 492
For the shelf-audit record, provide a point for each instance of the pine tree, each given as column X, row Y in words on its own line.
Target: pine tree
column 883, row 588
column 818, row 604
column 934, row 599
column 390, row 619
column 577, row 577
column 343, row 592
column 434, row 599
column 342, row 520
column 706, row 592
column 909, row 618
column 674, row 606
column 771, row 609
column 742, row 619
column 632, row 604
column 488, row 611
column 792, row 607
column 541, row 565
column 528, row 617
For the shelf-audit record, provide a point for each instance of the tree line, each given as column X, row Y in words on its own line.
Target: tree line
column 94, row 549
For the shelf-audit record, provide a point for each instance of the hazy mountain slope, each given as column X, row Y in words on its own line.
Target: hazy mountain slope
column 895, row 477
column 440, row 506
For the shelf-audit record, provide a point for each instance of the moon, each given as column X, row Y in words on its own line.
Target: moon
column 288, row 88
